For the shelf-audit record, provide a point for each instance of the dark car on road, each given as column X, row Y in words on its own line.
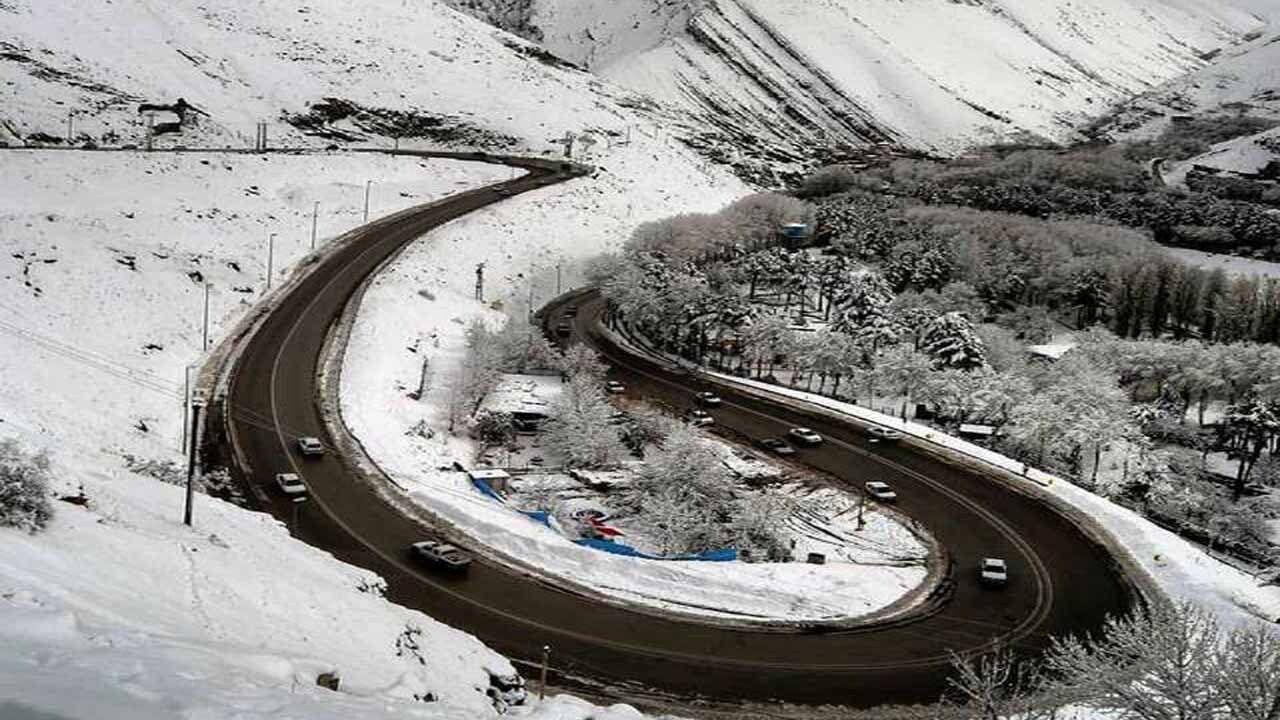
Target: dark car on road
column 441, row 556
column 777, row 446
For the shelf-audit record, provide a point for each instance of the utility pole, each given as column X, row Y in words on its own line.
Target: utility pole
column 422, row 379
column 70, row 126
column 315, row 221
column 151, row 131
column 186, row 405
column 531, row 297
column 271, row 252
column 367, row 185
column 480, row 282
column 205, row 335
column 546, row 660
column 197, row 403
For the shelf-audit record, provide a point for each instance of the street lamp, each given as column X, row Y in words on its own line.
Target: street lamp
column 197, row 402
column 367, row 184
column 271, row 256
column 546, row 659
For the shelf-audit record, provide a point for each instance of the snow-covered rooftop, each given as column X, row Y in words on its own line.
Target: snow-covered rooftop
column 525, row 394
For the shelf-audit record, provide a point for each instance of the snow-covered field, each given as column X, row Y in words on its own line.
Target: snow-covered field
column 104, row 259
column 1230, row 264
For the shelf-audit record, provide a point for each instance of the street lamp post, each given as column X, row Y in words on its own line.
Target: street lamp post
column 546, row 660
column 204, row 342
column 197, row 402
column 271, row 256
column 367, row 184
column 315, row 219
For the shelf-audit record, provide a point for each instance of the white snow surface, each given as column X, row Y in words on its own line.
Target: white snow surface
column 528, row 236
column 1248, row 154
column 1230, row 264
column 935, row 73
column 1244, row 76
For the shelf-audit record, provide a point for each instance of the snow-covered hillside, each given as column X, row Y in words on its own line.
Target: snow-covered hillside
column 388, row 68
column 1244, row 77
column 929, row 73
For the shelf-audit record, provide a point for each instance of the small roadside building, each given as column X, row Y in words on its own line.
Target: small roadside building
column 527, row 398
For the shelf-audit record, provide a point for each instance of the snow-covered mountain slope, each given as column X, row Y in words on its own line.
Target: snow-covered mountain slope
column 1244, row 77
column 417, row 70
column 928, row 73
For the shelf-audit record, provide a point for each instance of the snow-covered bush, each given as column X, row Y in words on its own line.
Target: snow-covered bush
column 580, row 429
column 24, row 488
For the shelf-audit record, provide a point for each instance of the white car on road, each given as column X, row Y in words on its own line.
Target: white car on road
column 699, row 418
column 993, row 572
column 804, row 436
column 881, row 491
column 311, row 447
column 290, row 484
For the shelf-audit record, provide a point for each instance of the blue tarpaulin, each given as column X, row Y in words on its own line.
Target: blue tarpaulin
column 486, row 489
column 539, row 516
column 726, row 555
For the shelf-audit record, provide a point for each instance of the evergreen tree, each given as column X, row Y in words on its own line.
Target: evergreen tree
column 953, row 343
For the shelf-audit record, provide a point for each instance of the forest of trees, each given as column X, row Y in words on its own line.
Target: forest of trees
column 1101, row 183
column 934, row 306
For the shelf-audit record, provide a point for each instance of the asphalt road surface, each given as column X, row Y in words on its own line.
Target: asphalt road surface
column 1061, row 582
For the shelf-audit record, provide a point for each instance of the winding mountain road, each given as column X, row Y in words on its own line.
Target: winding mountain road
column 1063, row 582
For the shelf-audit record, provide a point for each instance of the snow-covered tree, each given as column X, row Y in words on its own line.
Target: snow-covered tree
column 581, row 361
column 1250, row 425
column 580, row 430
column 676, row 520
column 997, row 685
column 520, row 347
column 860, row 297
column 763, row 340
column 952, row 341
column 899, row 371
column 1077, row 405
column 1171, row 662
column 760, row 525
column 24, row 488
